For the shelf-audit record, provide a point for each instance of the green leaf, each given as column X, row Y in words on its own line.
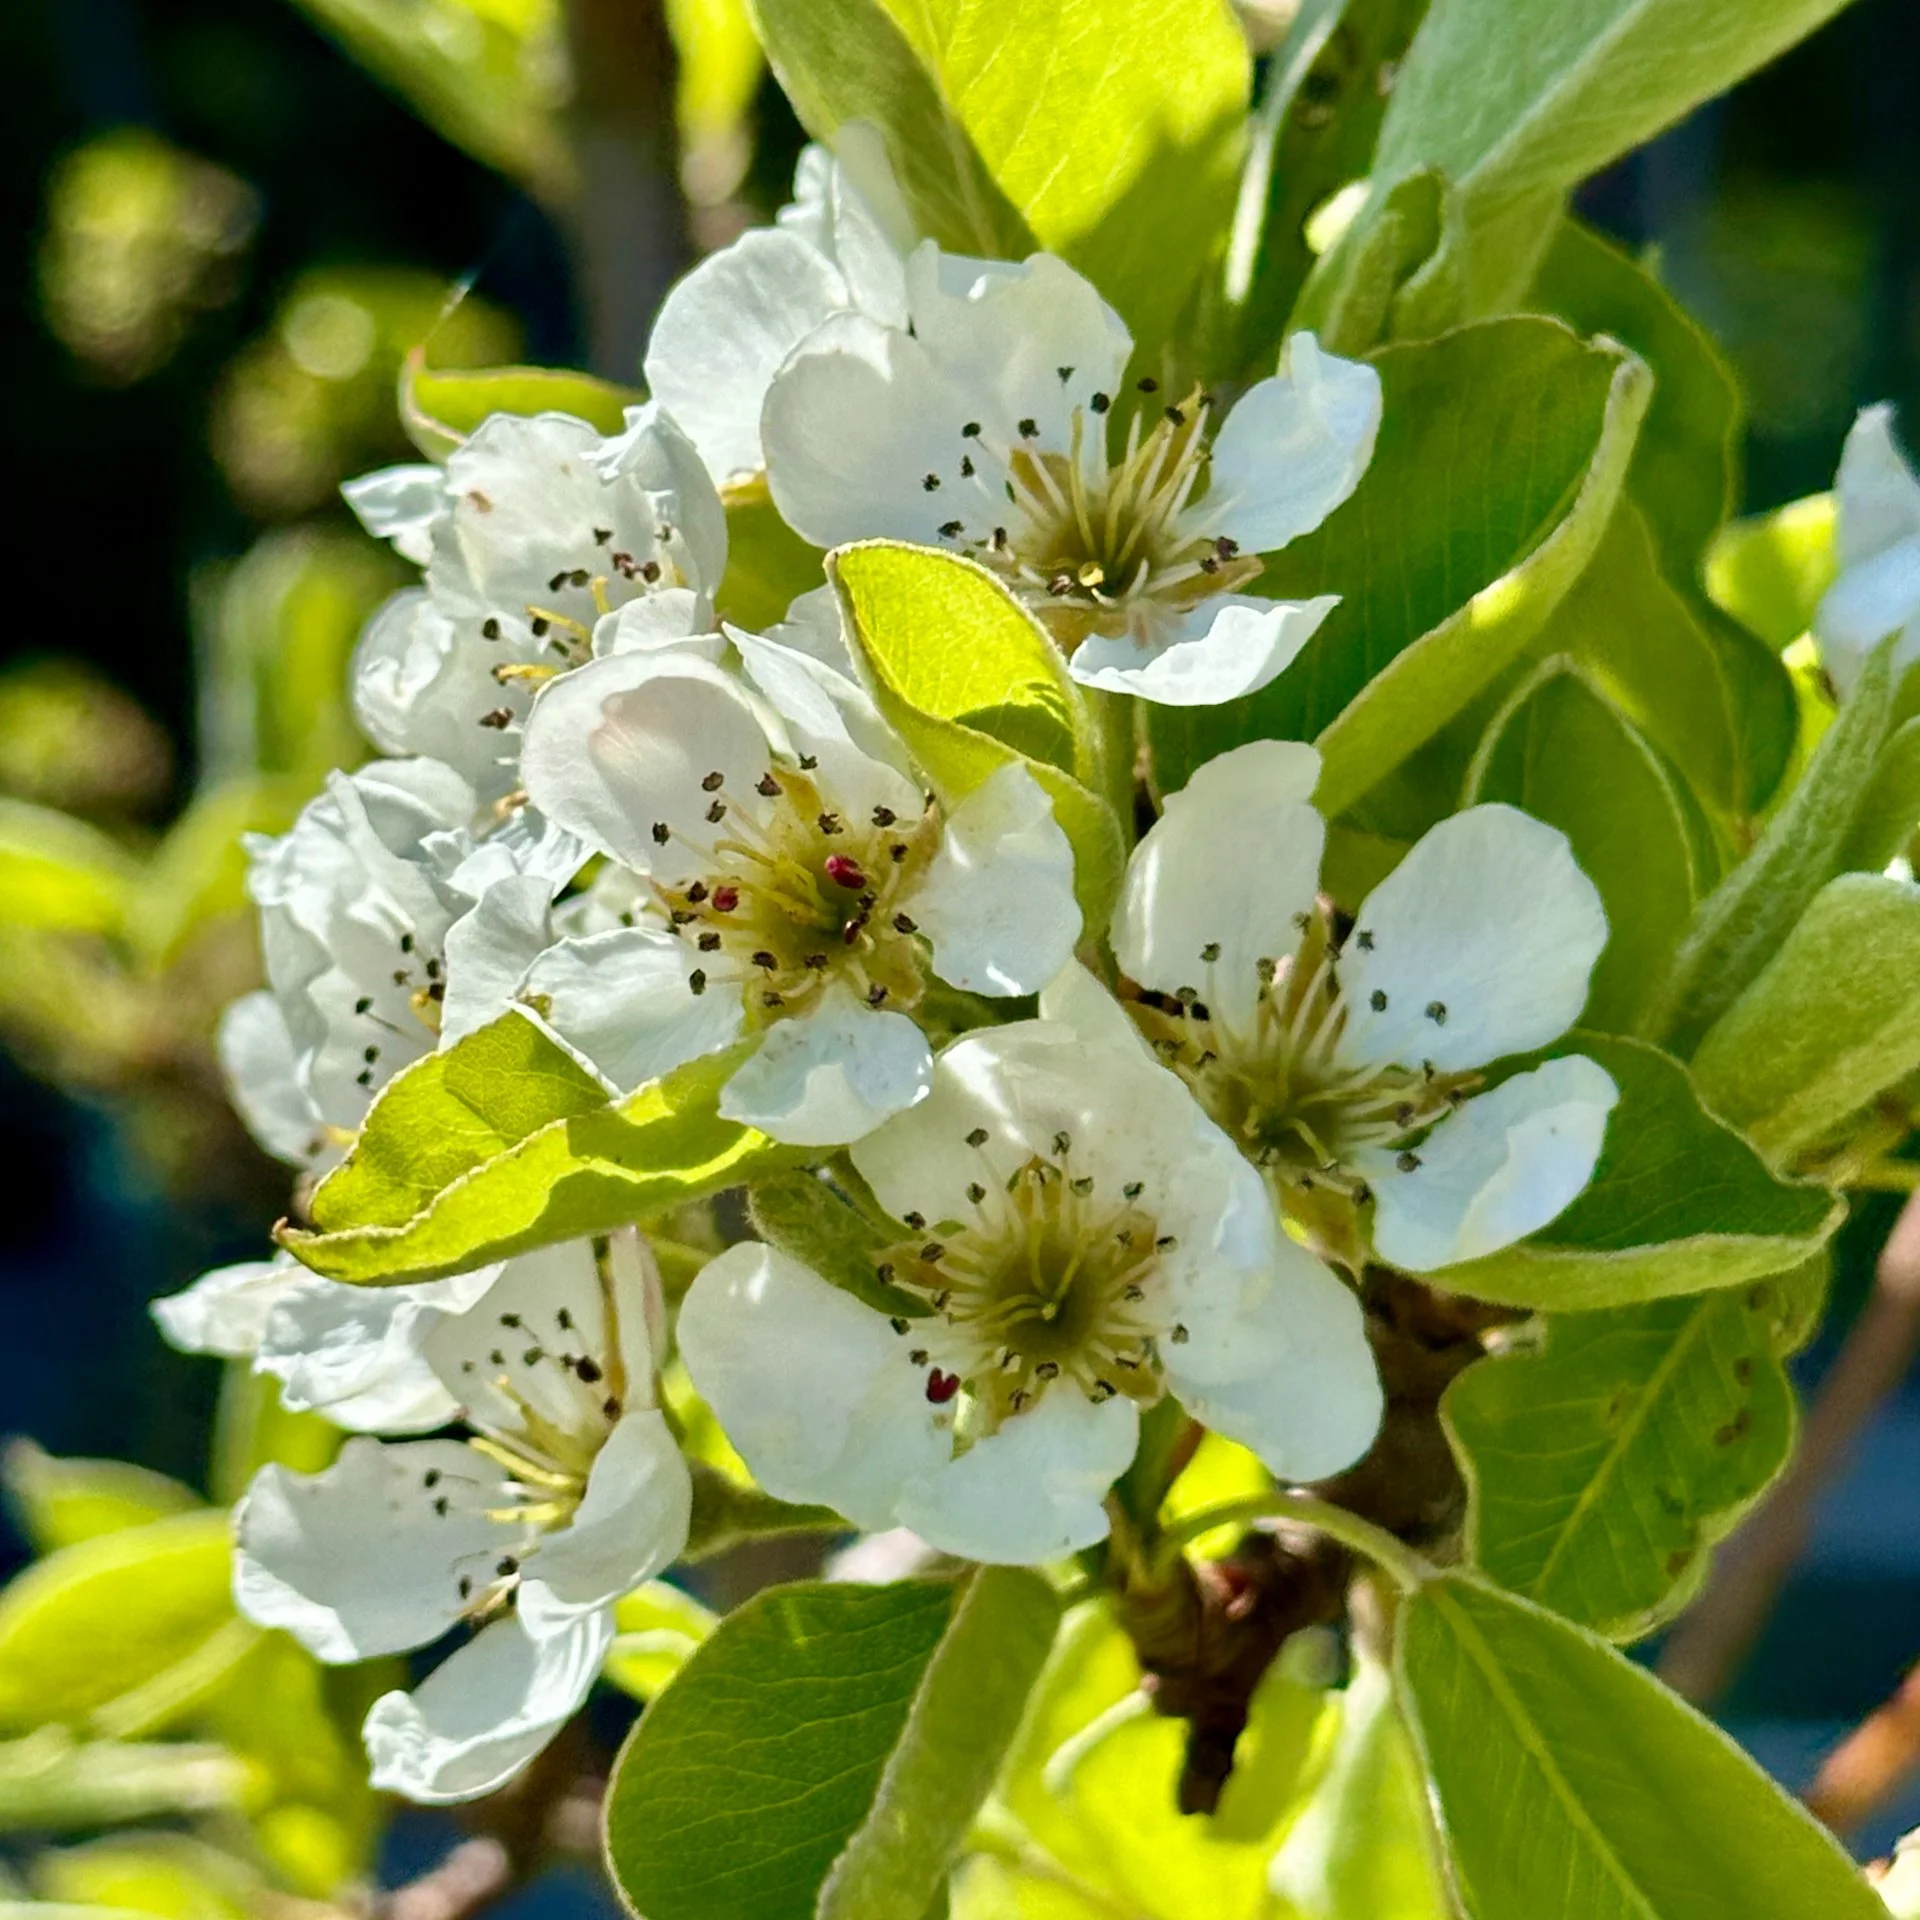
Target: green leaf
column 1561, row 752
column 968, row 679
column 1702, row 689
column 488, row 74
column 1516, row 109
column 448, row 1113
column 1570, row 1783
column 1602, row 1467
column 107, row 1615
column 1686, row 465
column 1349, row 299
column 1679, row 1203
column 1502, row 452
column 1771, row 572
column 1092, row 1783
column 50, row 1782
column 59, row 875
column 768, row 565
column 823, row 1754
column 805, row 1218
column 1828, row 1024
column 1741, row 924
column 1108, row 134
column 168, row 1874
column 1312, row 133
column 658, row 1629
column 1889, row 813
column 439, row 410
column 1363, row 1848
column 659, row 1148
column 59, row 1503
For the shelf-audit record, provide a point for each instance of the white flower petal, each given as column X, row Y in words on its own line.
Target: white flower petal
column 1220, row 650
column 1498, row 1168
column 814, row 626
column 1479, row 944
column 814, row 1389
column 489, row 950
column 1876, row 493
column 1279, row 1362
column 624, row 1000
column 823, row 1078
column 1075, row 999
column 356, row 1354
column 400, row 504
column 673, row 617
column 630, row 1524
column 1231, row 862
column 626, row 742
column 1293, row 449
column 654, row 453
column 997, row 902
column 225, row 1312
column 263, row 1079
column 723, row 332
column 486, row 1710
column 1034, row 1490
column 1872, row 599
column 357, row 1561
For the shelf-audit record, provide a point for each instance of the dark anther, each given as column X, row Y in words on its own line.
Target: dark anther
column 587, row 1369
column 1377, row 1000
column 1028, row 428
column 977, row 1138
column 902, row 923
column 601, row 535
column 363, row 1003
column 712, row 782
column 884, row 816
column 931, row 483
column 1210, row 952
column 772, row 1000
column 1065, row 373
column 828, row 823
column 662, row 833
column 808, row 762
column 1364, row 940
column 951, row 529
column 539, row 626
column 697, row 980
column 876, row 996
column 709, row 943
column 966, row 466
column 697, row 892
column 490, row 628
column 976, row 1192
column 971, row 431
column 1178, row 418
column 1133, row 1189
column 499, row 719
column 1437, row 1012
column 1408, row 1162
column 1148, row 385
column 762, row 958
column 1100, row 402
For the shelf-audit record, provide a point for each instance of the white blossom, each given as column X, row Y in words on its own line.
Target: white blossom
column 1355, row 1065
column 544, row 543
column 993, row 421
column 724, row 330
column 799, row 883
column 1076, row 1239
column 1877, row 541
column 362, row 903
column 568, row 1492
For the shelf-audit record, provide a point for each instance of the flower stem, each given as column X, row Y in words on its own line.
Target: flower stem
column 1407, row 1568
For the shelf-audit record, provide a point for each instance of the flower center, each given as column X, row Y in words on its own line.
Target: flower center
column 1277, row 1084
column 1091, row 554
column 1050, row 1281
column 799, row 895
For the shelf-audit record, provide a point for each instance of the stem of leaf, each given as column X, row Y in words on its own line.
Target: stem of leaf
column 1407, row 1569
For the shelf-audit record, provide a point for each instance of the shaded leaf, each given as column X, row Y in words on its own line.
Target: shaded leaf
column 60, row 1502
column 440, row 409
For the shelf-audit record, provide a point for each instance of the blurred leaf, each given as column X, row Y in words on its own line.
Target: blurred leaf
column 1561, row 752
column 69, row 738
column 1770, row 572
column 275, row 636
column 876, row 1718
column 98, row 1619
column 659, row 1626
column 1830, row 1023
column 140, row 238
column 1740, row 925
column 252, row 1429
column 1630, row 1803
column 1679, row 1203
column 1515, row 111
column 720, row 68
column 657, row 1149
column 49, row 1782
column 1220, row 1470
column 1364, row 1847
column 1108, row 133
column 441, row 408
column 1603, row 1466
column 168, row 1874
column 1501, row 456
column 59, row 874
column 490, row 75
column 1350, row 297
column 59, row 1503
column 970, row 682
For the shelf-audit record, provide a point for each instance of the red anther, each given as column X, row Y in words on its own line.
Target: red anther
column 844, row 871
column 725, row 899
column 941, row 1387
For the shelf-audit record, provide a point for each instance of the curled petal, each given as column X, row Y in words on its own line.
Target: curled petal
column 1220, row 650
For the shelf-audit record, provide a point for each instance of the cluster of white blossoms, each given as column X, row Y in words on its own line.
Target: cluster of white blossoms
column 659, row 837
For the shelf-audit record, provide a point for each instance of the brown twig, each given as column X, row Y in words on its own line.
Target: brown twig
column 1711, row 1642
column 1872, row 1763
column 474, row 1875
